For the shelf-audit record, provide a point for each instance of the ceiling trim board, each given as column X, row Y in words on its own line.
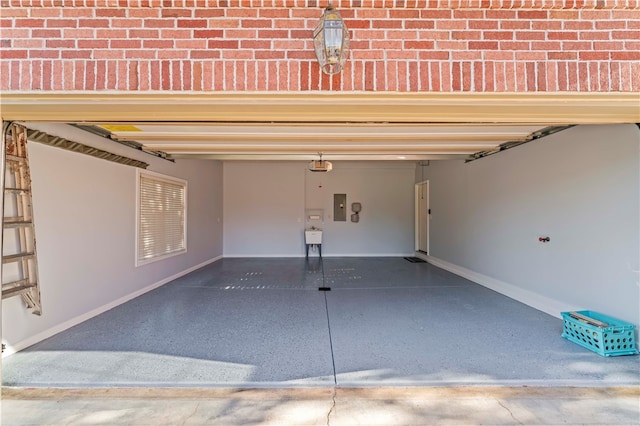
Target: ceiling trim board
column 308, row 157
column 329, row 151
column 303, row 137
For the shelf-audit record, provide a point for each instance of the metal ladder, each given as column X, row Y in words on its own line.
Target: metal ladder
column 19, row 258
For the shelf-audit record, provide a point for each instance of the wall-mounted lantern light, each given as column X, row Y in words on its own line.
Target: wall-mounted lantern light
column 331, row 41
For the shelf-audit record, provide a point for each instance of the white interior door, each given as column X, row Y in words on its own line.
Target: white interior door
column 422, row 217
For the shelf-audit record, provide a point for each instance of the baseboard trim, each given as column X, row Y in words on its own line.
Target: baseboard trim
column 11, row 349
column 261, row 256
column 542, row 303
column 368, row 255
column 315, row 254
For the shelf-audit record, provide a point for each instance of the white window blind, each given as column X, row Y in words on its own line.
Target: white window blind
column 161, row 217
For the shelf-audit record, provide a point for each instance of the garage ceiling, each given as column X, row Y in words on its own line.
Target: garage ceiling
column 357, row 126
column 336, row 141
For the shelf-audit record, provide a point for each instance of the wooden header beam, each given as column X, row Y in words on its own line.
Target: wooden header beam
column 366, row 107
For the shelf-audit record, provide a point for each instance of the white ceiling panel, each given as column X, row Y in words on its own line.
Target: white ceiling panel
column 306, row 140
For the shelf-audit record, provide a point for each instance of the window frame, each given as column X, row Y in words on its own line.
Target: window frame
column 141, row 174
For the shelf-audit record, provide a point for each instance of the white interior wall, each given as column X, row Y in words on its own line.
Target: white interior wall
column 579, row 187
column 265, row 204
column 84, row 210
column 263, row 208
column 386, row 192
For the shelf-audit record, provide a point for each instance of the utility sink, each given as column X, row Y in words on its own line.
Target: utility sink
column 313, row 236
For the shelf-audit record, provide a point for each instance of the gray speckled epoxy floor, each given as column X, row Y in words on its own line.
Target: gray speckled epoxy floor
column 263, row 323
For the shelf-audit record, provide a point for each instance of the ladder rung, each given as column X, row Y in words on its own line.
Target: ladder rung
column 18, row 256
column 18, row 224
column 15, row 283
column 17, row 190
column 16, row 287
column 15, row 158
column 10, row 219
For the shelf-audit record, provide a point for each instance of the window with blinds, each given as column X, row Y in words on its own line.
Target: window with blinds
column 162, row 213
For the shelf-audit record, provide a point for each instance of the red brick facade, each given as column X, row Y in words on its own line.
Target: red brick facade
column 266, row 45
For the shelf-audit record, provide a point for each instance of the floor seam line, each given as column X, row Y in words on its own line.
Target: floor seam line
column 333, row 360
column 326, row 308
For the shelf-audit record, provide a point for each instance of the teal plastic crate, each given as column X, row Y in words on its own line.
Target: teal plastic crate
column 600, row 333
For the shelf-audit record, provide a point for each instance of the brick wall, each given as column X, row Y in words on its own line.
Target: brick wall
column 266, row 45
